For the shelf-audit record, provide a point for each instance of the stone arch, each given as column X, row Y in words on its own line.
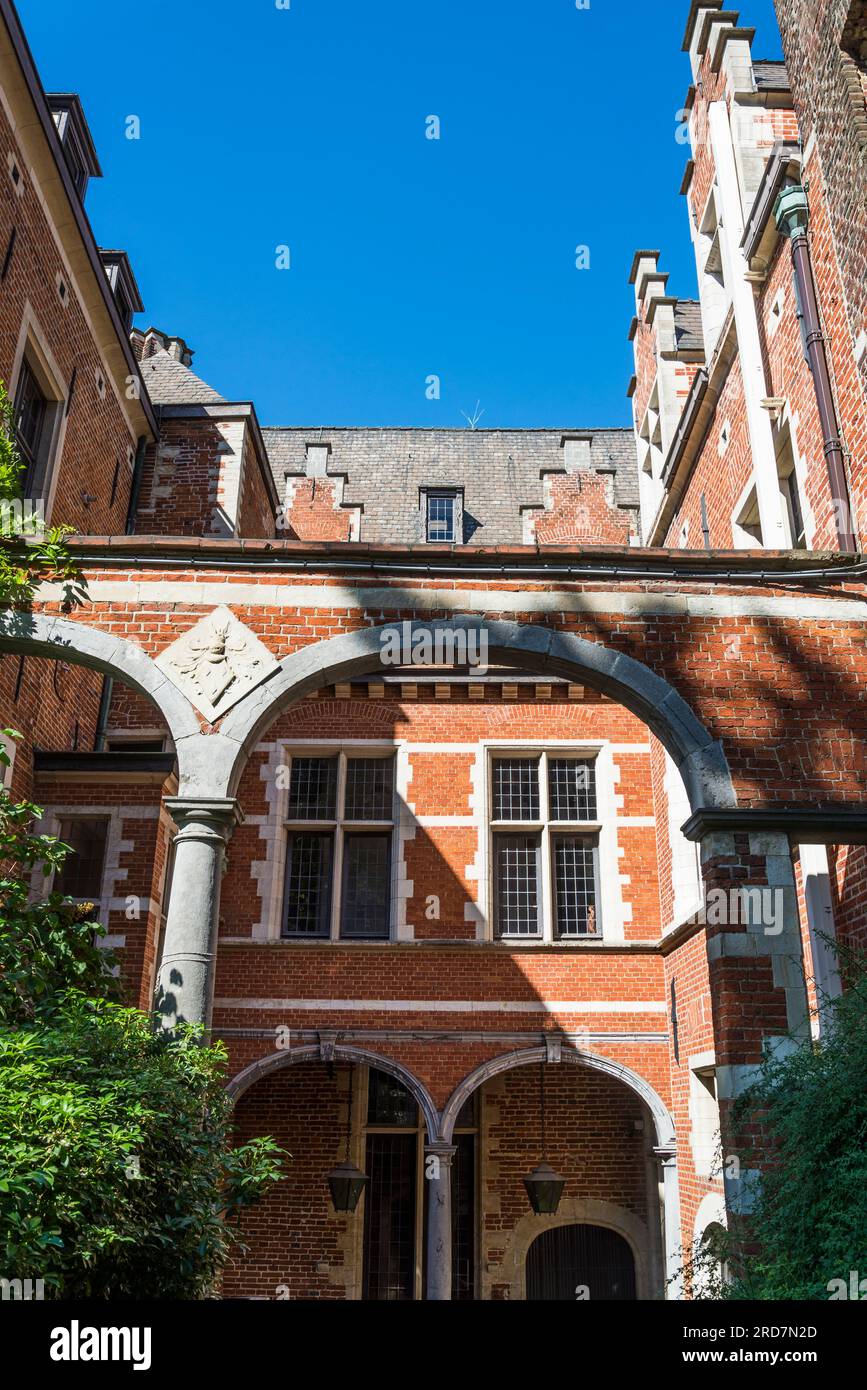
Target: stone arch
column 699, row 757
column 584, row 1211
column 338, row 1052
column 38, row 634
column 530, row 1056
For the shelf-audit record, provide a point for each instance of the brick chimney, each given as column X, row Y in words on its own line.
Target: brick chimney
column 147, row 341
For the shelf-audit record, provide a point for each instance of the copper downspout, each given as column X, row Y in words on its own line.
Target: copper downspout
column 792, row 214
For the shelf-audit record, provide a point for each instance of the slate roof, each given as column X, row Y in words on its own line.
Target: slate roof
column 169, row 382
column 498, row 470
column 771, row 76
column 688, row 328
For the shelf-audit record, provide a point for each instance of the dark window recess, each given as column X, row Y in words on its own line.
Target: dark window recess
column 69, row 398
column 124, row 309
column 312, row 789
column 441, row 517
column 571, row 789
column 516, row 789
column 517, row 863
column 796, row 515
column 561, row 1261
column 31, row 408
column 464, row 1218
column 389, row 1218
column 76, row 165
column 366, row 885
column 307, row 900
column 81, row 874
column 114, row 483
column 19, row 679
column 468, row 1115
column 389, row 1103
column 7, row 259
column 369, row 789
column 574, row 885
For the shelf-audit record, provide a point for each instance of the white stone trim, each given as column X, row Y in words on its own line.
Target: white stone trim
column 449, row 1006
column 141, row 590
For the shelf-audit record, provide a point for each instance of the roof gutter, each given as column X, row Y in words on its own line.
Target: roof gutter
column 515, row 563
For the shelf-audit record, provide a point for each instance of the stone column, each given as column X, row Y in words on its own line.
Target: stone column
column 666, row 1155
column 185, row 986
column 438, row 1176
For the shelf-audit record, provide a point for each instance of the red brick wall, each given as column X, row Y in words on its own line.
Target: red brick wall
column 142, row 866
column 777, row 691
column 686, row 981
column 592, row 1141
column 179, row 492
column 848, row 865
column 312, row 511
column 295, row 1230
column 256, row 516
column 721, row 479
column 829, row 100
column 55, row 709
column 579, row 510
column 97, row 437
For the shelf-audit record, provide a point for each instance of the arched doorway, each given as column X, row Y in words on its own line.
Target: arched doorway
column 580, row 1262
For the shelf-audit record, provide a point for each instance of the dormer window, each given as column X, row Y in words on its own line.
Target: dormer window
column 442, row 516
column 123, row 286
column 75, row 137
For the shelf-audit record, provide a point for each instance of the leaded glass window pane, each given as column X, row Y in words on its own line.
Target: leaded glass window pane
column 369, row 789
column 81, row 874
column 313, row 789
column 571, row 789
column 388, row 1102
column 366, row 885
column 517, row 884
column 307, row 904
column 575, row 885
column 516, row 789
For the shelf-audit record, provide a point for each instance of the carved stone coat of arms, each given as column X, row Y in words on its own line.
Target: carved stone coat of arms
column 216, row 663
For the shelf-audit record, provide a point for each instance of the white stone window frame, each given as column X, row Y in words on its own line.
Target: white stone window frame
column 714, row 292
column 456, row 494
column 785, row 431
column 33, row 346
column 338, row 826
column 704, row 1119
column 651, row 458
column 111, row 898
column 609, row 904
column 746, row 506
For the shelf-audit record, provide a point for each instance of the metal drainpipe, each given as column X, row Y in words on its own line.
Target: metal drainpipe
column 792, row 214
column 102, row 717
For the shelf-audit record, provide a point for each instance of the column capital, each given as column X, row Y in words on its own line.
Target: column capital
column 666, row 1153
column 214, row 815
column 443, row 1151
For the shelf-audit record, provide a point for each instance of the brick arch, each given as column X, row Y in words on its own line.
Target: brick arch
column 339, row 1052
column 699, row 757
column 530, row 1056
column 37, row 634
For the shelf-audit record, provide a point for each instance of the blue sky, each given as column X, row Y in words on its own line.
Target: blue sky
column 263, row 127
